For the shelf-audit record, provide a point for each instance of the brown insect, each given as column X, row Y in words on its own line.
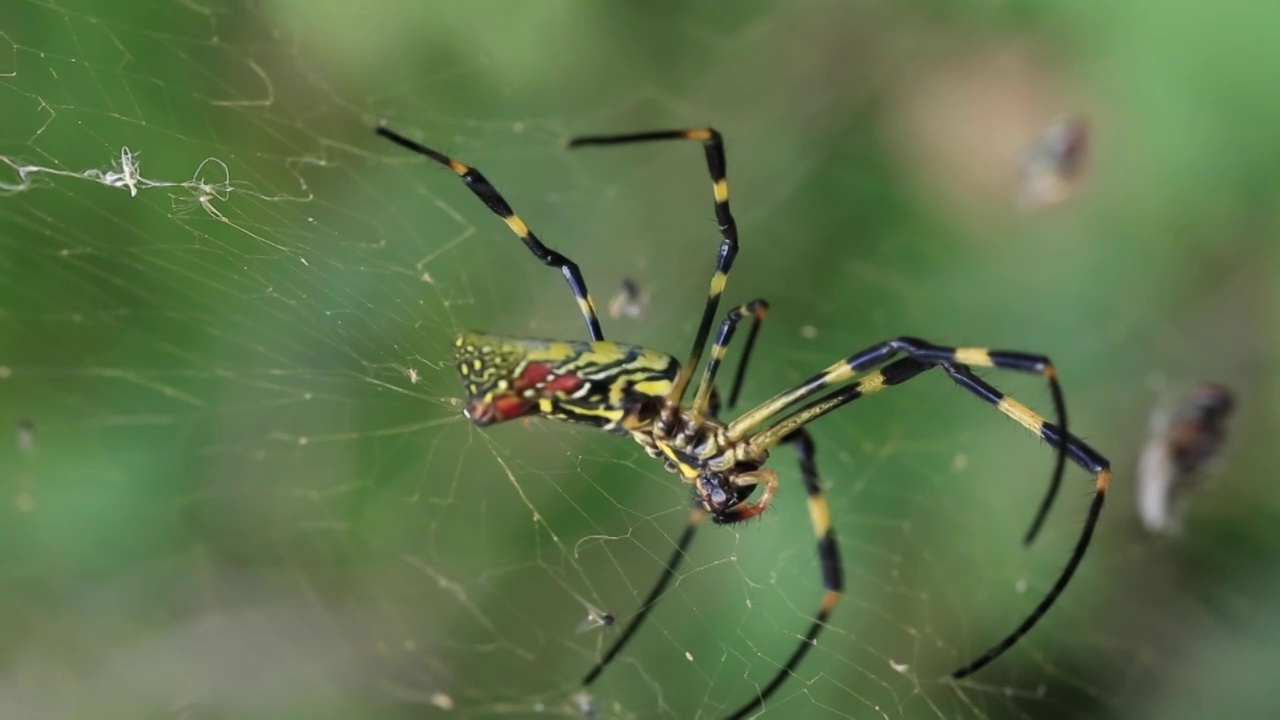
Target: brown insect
column 1183, row 448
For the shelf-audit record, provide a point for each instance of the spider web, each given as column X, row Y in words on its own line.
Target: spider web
column 242, row 485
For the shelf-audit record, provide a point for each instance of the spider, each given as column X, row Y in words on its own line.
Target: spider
column 639, row 392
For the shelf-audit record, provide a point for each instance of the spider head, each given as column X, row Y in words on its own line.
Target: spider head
column 717, row 494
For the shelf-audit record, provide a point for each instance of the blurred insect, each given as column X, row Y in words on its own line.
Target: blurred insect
column 1053, row 164
column 586, row 705
column 629, row 301
column 1182, row 449
column 639, row 393
column 26, row 436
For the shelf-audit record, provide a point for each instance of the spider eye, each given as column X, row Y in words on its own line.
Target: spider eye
column 716, row 495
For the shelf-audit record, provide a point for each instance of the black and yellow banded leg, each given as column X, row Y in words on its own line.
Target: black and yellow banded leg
column 1081, row 454
column 895, row 373
column 828, row 558
column 714, row 406
column 1020, row 362
column 495, row 202
column 820, row 513
column 650, row 600
column 1077, row 450
column 713, row 145
column 880, row 353
column 695, row 520
column 741, row 374
column 756, row 310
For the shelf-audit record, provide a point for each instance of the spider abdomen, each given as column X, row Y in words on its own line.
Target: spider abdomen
column 602, row 384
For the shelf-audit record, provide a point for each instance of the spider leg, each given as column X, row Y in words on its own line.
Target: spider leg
column 1077, row 450
column 651, row 600
column 713, row 403
column 880, row 353
column 756, row 310
column 495, row 202
column 741, row 374
column 828, row 558
column 713, row 145
column 1082, row 455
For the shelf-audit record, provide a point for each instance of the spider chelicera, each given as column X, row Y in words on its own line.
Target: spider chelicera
column 639, row 392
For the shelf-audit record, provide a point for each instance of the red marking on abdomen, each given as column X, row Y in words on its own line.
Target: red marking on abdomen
column 506, row 407
column 563, row 384
column 533, row 374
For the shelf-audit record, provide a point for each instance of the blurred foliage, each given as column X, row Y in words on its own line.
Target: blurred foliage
column 240, row 484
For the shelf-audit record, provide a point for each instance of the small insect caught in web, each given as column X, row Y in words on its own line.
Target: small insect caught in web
column 1053, row 164
column 1184, row 449
column 586, row 705
column 630, row 300
column 596, row 618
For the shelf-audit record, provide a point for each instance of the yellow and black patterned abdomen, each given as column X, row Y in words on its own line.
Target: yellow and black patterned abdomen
column 602, row 384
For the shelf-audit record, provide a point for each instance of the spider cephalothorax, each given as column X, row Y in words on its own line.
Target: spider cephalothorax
column 724, row 474
column 633, row 390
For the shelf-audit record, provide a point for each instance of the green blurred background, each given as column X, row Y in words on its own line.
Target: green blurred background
column 249, row 491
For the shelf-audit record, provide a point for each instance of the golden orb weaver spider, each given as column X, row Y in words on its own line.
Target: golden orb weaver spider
column 639, row 392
